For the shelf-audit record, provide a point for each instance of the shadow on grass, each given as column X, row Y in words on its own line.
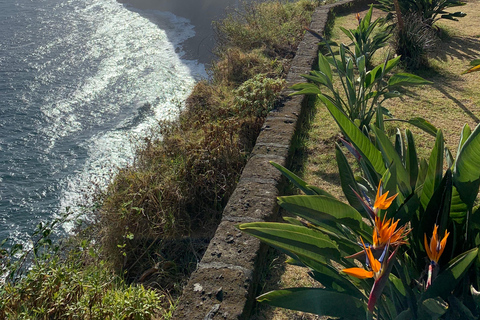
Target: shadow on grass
column 458, row 47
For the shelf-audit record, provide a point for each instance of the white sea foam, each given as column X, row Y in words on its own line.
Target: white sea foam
column 138, row 61
column 78, row 76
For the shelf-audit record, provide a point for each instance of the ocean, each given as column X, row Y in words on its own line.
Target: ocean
column 81, row 83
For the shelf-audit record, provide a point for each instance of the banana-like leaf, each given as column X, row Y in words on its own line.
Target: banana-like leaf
column 466, row 132
column 318, row 301
column 445, row 282
column 347, row 180
column 305, row 88
column 318, row 209
column 411, row 158
column 435, row 169
column 299, row 240
column 461, row 309
column 345, row 245
column 391, row 156
column 466, row 174
column 356, row 137
column 438, row 209
column 319, row 191
column 316, row 77
column 424, row 125
column 390, row 64
column 324, row 66
column 331, row 279
column 299, row 183
column 436, row 307
column 407, row 79
column 458, row 208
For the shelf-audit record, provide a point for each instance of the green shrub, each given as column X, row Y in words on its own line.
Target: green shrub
column 414, row 41
column 257, row 96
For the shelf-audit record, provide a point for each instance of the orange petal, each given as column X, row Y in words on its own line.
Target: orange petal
column 433, row 244
column 427, row 247
column 358, row 273
column 442, row 245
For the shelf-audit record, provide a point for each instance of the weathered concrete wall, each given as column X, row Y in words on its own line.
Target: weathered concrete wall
column 225, row 282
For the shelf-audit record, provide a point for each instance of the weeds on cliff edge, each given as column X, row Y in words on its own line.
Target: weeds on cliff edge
column 179, row 185
column 51, row 278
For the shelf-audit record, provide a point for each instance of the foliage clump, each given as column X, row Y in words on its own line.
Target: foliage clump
column 53, row 279
column 180, row 183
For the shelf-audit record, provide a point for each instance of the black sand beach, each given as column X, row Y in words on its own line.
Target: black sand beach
column 201, row 13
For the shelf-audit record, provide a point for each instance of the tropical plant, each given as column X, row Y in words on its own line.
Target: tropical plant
column 362, row 40
column 475, row 66
column 420, row 247
column 430, row 10
column 414, row 41
column 364, row 90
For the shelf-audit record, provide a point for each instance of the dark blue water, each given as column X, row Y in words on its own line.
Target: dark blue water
column 74, row 78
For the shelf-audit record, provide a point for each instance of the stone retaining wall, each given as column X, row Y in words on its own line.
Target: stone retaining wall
column 226, row 280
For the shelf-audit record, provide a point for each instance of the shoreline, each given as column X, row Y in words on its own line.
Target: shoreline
column 201, row 15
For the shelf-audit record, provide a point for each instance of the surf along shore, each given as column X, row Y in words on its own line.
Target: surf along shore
column 201, row 14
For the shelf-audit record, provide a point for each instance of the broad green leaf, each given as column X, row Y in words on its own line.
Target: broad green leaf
column 317, row 77
column 435, row 169
column 424, row 125
column 361, row 63
column 319, row 191
column 391, row 64
column 458, row 208
column 347, row 33
column 347, row 180
column 411, row 159
column 402, row 79
column 356, row 137
column 436, row 307
column 466, row 175
column 446, row 281
column 438, row 208
column 323, row 208
column 461, row 309
column 390, row 156
column 372, row 75
column 466, row 132
column 329, row 277
column 317, row 301
column 299, row 240
column 299, row 183
column 346, row 246
column 293, row 221
column 324, row 66
column 305, row 88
